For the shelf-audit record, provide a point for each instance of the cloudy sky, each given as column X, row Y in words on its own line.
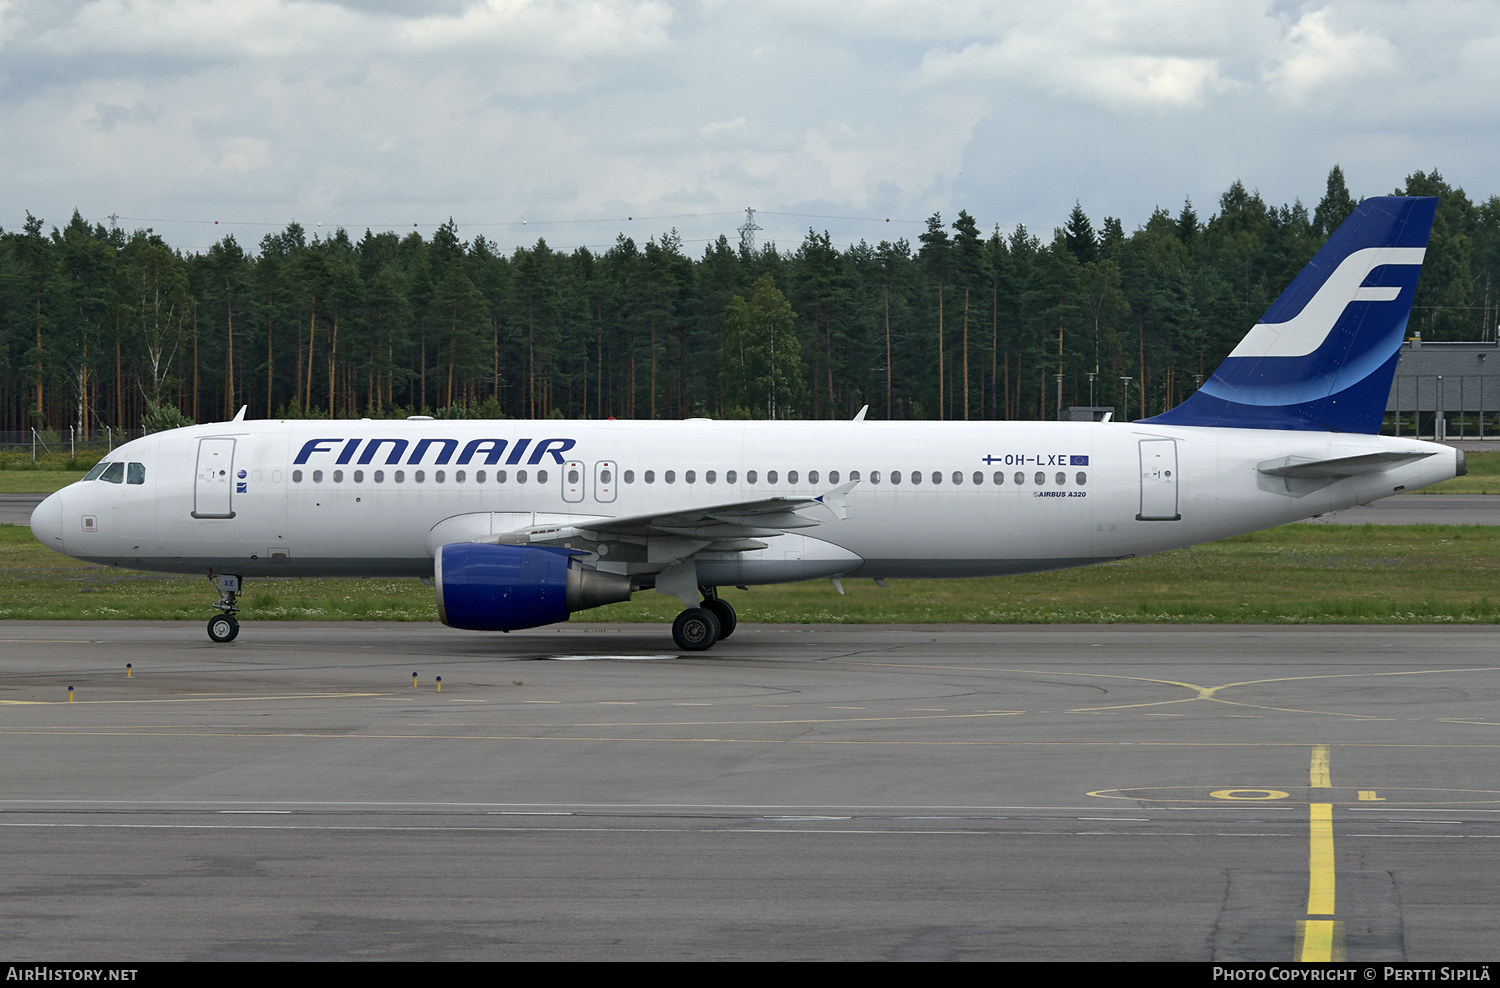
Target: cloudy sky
column 858, row 118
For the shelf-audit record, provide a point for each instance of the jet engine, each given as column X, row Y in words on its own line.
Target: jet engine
column 483, row 587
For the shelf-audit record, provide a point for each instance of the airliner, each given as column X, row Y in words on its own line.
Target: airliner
column 518, row 523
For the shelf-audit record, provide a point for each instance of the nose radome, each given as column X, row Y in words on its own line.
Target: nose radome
column 47, row 523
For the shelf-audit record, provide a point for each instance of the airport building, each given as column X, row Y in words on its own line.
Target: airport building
column 1445, row 391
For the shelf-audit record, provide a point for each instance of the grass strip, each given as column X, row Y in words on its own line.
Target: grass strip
column 1344, row 574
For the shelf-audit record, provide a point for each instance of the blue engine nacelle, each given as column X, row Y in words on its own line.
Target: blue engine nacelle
column 484, row 587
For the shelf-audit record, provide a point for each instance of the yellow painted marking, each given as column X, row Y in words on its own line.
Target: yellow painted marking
column 1319, row 940
column 1194, row 794
column 1368, row 795
column 1320, row 778
column 1320, row 882
column 1205, row 692
column 1248, row 794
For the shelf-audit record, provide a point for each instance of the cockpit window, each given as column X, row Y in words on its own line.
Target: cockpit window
column 114, row 474
column 135, row 473
column 98, row 469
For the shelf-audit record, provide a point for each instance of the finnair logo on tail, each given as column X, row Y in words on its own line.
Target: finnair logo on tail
column 1305, row 332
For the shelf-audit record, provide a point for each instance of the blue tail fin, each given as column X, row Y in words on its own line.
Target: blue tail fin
column 1322, row 357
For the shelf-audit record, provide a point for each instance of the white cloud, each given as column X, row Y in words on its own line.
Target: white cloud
column 1314, row 58
column 375, row 111
column 1115, row 80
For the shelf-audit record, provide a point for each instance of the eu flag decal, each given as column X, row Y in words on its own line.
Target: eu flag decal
column 1078, row 461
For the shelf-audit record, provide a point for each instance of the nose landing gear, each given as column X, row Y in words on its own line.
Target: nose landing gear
column 223, row 627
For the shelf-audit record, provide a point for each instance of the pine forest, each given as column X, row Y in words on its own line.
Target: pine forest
column 104, row 329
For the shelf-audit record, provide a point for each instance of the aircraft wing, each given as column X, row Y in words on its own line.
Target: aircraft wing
column 732, row 520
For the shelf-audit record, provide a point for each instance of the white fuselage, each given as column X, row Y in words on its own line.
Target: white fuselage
column 267, row 498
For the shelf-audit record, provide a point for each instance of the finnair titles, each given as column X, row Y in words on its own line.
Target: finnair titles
column 518, row 524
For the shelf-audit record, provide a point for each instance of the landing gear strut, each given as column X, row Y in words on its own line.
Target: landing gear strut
column 698, row 628
column 721, row 609
column 223, row 627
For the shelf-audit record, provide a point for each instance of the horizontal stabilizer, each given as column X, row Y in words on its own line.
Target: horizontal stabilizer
column 1306, row 468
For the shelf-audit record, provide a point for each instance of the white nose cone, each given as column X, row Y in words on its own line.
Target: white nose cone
column 47, row 522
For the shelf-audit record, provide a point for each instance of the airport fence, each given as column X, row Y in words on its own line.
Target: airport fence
column 37, row 444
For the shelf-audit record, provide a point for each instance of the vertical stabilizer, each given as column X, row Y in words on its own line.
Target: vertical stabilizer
column 1323, row 356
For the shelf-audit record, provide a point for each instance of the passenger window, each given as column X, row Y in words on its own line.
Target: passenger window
column 670, row 476
column 115, row 474
column 1082, row 478
column 1041, row 478
column 359, row 476
column 833, row 477
column 770, row 476
column 999, row 479
column 916, row 476
column 854, row 475
column 438, row 476
column 791, row 477
column 419, row 476
column 520, row 476
column 296, row 477
column 379, row 476
column 573, row 476
column 478, row 476
column 499, row 476
column 318, row 476
column 729, row 477
column 812, row 476
column 937, row 477
column 541, row 476
column 895, row 476
column 958, row 478
column 750, row 476
column 629, row 476
column 338, row 476
column 458, row 476
column 1020, row 478
column 1062, row 478
column 978, row 478
column 135, row 473
column 400, row 476
column 650, row 477
column 709, row 477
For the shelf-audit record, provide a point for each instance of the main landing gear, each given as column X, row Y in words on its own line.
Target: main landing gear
column 698, row 628
column 223, row 627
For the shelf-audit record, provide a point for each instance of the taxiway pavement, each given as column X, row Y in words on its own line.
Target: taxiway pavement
column 799, row 792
